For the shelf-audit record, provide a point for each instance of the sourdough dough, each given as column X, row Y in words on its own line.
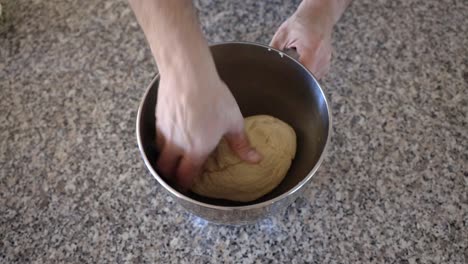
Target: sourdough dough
column 225, row 176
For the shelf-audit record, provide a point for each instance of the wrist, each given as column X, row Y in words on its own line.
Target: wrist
column 185, row 59
column 329, row 10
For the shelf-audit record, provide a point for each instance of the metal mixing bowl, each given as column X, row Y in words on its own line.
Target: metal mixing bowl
column 263, row 81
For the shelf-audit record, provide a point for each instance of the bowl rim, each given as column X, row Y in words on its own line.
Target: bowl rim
column 296, row 188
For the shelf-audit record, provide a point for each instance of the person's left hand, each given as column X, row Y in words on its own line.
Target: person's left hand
column 308, row 31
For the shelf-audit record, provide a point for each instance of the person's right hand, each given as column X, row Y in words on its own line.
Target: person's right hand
column 194, row 111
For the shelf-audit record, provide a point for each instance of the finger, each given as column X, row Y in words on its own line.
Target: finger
column 160, row 141
column 315, row 62
column 280, row 38
column 308, row 58
column 240, row 144
column 322, row 64
column 168, row 161
column 323, row 71
column 320, row 67
column 187, row 170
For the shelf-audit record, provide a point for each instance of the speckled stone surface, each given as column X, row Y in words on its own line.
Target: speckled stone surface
column 392, row 189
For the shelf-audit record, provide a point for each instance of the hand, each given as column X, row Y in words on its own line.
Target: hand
column 195, row 108
column 193, row 113
column 308, row 31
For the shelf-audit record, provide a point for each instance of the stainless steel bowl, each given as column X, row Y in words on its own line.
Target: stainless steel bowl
column 263, row 81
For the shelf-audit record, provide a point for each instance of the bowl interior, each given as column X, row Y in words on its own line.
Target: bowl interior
column 263, row 82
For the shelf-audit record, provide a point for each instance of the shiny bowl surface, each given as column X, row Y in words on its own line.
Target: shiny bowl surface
column 263, row 81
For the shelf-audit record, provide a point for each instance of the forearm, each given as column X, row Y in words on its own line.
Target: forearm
column 334, row 9
column 173, row 34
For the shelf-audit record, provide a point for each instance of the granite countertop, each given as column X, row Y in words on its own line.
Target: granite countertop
column 392, row 189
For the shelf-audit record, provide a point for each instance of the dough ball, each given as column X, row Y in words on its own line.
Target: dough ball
column 225, row 176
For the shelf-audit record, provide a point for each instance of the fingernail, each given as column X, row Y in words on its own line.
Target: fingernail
column 254, row 156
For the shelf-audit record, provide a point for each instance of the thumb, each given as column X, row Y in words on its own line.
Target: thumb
column 240, row 144
column 279, row 39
